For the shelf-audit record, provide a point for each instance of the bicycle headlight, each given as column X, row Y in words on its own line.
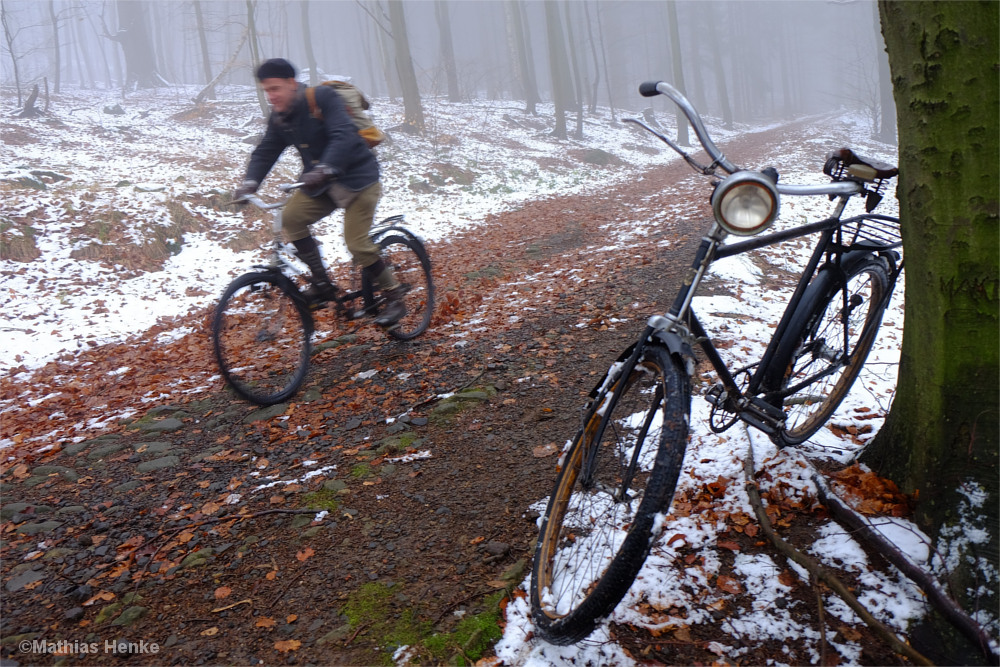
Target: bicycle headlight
column 745, row 203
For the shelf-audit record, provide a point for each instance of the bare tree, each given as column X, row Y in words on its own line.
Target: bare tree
column 9, row 34
column 577, row 78
column 56, row 53
column 206, row 63
column 524, row 62
column 592, row 106
column 720, row 73
column 307, row 42
column 413, row 110
column 133, row 37
column 255, row 57
column 678, row 69
column 447, row 49
column 561, row 84
column 604, row 57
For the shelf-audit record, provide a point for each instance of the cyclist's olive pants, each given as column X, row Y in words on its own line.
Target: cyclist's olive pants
column 303, row 210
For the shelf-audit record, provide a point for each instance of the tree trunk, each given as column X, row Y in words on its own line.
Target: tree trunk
column 137, row 47
column 447, row 50
column 574, row 59
column 557, row 67
column 382, row 37
column 526, row 64
column 307, row 42
column 677, row 64
column 206, row 63
column 29, row 110
column 413, row 110
column 8, row 34
column 592, row 105
column 255, row 59
column 203, row 95
column 604, row 59
column 56, row 54
column 720, row 76
column 941, row 436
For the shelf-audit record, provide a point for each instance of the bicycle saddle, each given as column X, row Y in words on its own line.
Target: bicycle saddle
column 876, row 169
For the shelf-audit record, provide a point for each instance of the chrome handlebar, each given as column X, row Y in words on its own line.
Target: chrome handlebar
column 653, row 88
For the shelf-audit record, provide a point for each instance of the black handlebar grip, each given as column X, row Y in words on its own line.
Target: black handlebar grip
column 648, row 89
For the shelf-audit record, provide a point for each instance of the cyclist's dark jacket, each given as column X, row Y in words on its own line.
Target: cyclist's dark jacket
column 333, row 141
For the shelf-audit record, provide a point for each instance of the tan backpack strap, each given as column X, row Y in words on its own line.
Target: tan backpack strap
column 313, row 108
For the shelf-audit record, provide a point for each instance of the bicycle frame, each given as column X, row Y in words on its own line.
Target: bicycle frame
column 284, row 262
column 680, row 328
column 681, row 323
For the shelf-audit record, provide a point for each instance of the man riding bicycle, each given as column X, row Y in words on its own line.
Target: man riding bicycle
column 339, row 171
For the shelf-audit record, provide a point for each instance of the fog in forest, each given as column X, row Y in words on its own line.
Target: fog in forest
column 738, row 61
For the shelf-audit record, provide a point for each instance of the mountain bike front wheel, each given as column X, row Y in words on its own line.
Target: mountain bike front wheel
column 262, row 334
column 412, row 268
column 615, row 477
column 831, row 346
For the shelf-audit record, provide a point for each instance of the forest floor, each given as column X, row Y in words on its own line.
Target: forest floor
column 369, row 512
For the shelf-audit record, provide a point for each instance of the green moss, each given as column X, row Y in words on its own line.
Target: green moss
column 324, row 499
column 397, row 443
column 369, row 604
column 473, row 635
column 371, row 607
column 361, row 471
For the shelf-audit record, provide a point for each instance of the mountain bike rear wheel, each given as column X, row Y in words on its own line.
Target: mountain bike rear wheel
column 262, row 334
column 832, row 347
column 615, row 477
column 412, row 267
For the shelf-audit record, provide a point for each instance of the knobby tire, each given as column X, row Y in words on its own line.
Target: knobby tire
column 412, row 267
column 592, row 541
column 262, row 333
column 821, row 347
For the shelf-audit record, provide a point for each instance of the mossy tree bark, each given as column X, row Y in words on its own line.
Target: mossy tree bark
column 941, row 436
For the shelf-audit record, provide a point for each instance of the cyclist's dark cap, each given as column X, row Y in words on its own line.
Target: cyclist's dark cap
column 275, row 68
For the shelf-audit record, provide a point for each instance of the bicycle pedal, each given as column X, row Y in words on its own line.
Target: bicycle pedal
column 767, row 409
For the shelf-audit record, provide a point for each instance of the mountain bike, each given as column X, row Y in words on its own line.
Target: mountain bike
column 616, row 478
column 263, row 326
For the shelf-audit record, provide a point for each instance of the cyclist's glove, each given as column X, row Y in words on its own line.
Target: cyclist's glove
column 248, row 188
column 319, row 175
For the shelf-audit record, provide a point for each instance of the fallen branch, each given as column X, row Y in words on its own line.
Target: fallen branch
column 210, row 88
column 948, row 607
column 230, row 606
column 820, row 573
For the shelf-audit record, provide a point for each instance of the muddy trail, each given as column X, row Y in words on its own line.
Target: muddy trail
column 388, row 503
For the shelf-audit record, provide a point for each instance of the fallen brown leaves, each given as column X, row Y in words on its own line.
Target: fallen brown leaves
column 870, row 494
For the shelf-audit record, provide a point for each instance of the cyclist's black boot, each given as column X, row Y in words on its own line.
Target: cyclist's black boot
column 322, row 288
column 393, row 309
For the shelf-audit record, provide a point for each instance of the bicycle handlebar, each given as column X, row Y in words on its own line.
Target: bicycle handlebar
column 263, row 205
column 653, row 88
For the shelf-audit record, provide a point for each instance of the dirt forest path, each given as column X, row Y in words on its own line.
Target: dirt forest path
column 370, row 510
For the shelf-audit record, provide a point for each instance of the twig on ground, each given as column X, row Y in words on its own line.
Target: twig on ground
column 821, row 573
column 298, row 575
column 821, row 614
column 437, row 397
column 948, row 607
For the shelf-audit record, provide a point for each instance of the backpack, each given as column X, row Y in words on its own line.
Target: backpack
column 356, row 105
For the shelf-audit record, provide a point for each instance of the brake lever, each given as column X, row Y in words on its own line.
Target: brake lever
column 707, row 171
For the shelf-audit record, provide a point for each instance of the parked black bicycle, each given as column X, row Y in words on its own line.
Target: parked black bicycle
column 263, row 325
column 617, row 477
